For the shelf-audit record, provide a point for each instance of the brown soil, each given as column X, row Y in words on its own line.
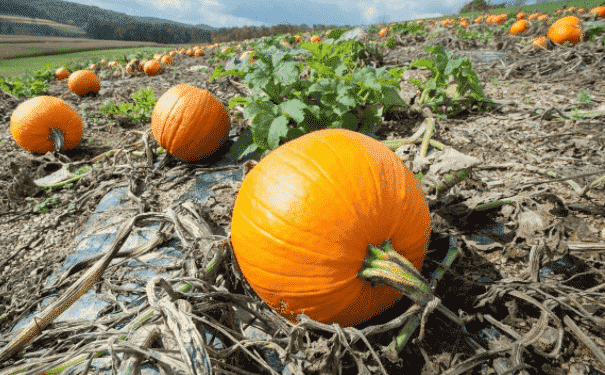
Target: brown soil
column 514, row 143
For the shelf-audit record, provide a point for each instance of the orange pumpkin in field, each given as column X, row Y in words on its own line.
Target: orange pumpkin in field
column 315, row 38
column 307, row 215
column 61, row 73
column 152, row 67
column 540, row 42
column 566, row 29
column 191, row 124
column 167, row 60
column 600, row 10
column 45, row 123
column 519, row 27
column 82, row 82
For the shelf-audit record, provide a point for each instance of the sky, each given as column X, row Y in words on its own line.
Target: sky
column 237, row 13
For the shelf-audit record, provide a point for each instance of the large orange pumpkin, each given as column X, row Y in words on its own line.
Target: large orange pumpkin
column 305, row 215
column 191, row 124
column 566, row 29
column 83, row 81
column 45, row 123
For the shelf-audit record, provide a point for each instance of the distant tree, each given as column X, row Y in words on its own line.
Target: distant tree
column 384, row 19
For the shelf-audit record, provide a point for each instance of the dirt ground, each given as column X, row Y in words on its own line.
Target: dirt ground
column 534, row 152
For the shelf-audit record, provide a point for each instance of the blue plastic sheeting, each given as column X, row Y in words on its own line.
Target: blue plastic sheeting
column 90, row 245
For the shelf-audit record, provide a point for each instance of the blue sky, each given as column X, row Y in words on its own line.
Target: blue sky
column 236, row 13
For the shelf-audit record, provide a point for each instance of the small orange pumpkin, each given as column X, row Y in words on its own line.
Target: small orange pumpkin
column 167, row 60
column 152, row 67
column 191, row 124
column 297, row 38
column 383, row 32
column 315, row 38
column 45, row 123
column 600, row 10
column 82, row 82
column 306, row 214
column 540, row 42
column 199, row 53
column 519, row 26
column 62, row 73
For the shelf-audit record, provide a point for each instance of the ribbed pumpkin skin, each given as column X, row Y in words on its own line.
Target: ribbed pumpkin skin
column 191, row 124
column 304, row 217
column 83, row 81
column 32, row 120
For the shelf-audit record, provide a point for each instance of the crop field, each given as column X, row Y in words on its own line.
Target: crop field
column 21, row 52
column 422, row 197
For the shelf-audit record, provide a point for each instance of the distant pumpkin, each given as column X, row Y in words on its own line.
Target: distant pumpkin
column 62, row 73
column 82, row 82
column 191, row 124
column 167, row 60
column 152, row 67
column 519, row 26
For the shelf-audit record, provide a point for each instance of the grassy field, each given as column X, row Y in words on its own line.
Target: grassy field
column 19, row 53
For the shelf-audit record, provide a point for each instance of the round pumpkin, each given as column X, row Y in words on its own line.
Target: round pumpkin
column 62, row 73
column 540, row 42
column 191, row 124
column 305, row 215
column 566, row 29
column 600, row 10
column 167, row 60
column 315, row 38
column 82, row 82
column 519, row 26
column 45, row 123
column 152, row 67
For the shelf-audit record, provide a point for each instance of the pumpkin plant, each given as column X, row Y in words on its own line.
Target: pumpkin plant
column 46, row 123
column 189, row 123
column 325, row 219
column 62, row 73
column 82, row 82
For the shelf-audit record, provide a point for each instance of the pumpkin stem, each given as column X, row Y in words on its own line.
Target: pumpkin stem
column 384, row 265
column 58, row 137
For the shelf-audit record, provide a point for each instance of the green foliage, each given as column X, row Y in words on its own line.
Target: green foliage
column 137, row 112
column 27, row 84
column 437, row 89
column 409, row 28
column 335, row 34
column 282, row 107
column 390, row 43
column 486, row 35
column 584, row 97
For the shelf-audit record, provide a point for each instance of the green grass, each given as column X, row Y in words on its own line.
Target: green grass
column 18, row 66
